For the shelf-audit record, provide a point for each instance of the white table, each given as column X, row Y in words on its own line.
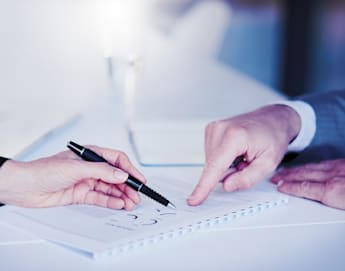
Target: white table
column 302, row 235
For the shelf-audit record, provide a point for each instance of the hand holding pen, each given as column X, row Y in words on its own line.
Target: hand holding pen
column 132, row 182
column 64, row 179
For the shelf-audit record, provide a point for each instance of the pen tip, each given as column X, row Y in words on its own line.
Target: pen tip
column 172, row 206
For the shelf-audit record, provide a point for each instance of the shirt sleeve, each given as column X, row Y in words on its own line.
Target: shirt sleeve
column 308, row 125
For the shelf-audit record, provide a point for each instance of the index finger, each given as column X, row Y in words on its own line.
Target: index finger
column 306, row 189
column 120, row 160
column 301, row 174
column 213, row 172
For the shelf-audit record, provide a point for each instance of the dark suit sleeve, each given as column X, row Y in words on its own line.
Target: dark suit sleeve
column 3, row 160
column 329, row 140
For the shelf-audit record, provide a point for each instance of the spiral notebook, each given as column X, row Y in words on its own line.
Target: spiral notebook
column 97, row 232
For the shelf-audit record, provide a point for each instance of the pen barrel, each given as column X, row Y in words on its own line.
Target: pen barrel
column 91, row 156
column 154, row 195
column 139, row 186
column 134, row 183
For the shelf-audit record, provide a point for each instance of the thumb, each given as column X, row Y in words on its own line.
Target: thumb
column 250, row 175
column 79, row 170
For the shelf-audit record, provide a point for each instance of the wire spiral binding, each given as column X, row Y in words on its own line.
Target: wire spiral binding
column 190, row 228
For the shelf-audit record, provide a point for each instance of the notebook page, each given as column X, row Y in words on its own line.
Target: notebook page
column 98, row 230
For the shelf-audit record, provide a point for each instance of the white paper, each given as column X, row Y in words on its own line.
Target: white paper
column 98, row 230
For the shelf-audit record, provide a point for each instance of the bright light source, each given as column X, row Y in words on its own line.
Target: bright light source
column 122, row 26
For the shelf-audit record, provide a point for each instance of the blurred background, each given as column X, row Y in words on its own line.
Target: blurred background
column 66, row 52
column 295, row 46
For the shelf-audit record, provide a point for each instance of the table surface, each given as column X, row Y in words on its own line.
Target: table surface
column 301, row 235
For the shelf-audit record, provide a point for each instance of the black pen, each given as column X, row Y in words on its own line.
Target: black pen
column 234, row 167
column 91, row 156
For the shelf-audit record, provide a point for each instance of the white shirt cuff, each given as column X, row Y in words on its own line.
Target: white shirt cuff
column 308, row 125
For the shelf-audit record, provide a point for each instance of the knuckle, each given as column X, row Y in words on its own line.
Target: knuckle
column 209, row 126
column 124, row 155
column 236, row 136
column 303, row 187
column 234, row 131
column 121, row 153
column 212, row 126
column 217, row 125
column 331, row 184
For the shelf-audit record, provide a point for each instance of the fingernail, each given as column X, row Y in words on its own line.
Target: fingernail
column 120, row 175
column 280, row 183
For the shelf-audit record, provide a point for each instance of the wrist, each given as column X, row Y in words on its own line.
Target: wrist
column 285, row 121
column 293, row 122
column 307, row 130
column 9, row 173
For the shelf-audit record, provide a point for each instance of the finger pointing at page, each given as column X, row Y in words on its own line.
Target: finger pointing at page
column 217, row 163
column 261, row 136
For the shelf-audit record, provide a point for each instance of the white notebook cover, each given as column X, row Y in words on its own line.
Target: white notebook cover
column 168, row 143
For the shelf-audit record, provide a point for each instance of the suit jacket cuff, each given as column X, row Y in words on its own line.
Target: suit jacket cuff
column 308, row 125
